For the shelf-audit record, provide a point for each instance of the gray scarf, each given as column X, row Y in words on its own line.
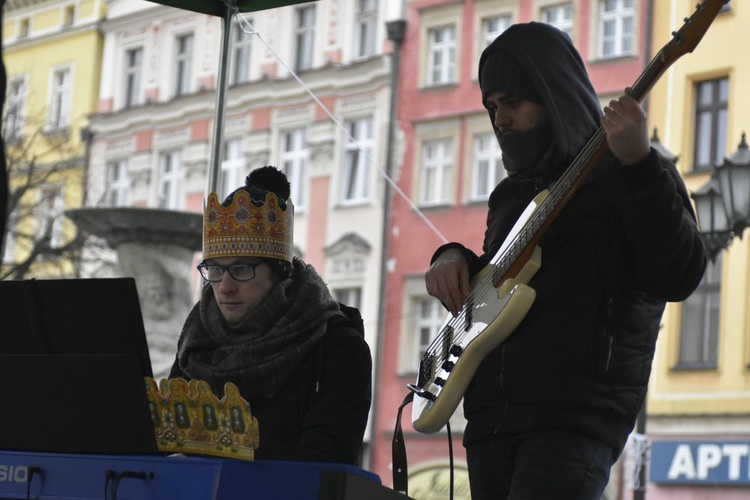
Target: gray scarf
column 261, row 352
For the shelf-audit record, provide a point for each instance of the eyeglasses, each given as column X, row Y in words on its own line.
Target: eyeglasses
column 244, row 271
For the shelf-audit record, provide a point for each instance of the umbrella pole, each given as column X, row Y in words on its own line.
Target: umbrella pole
column 221, row 90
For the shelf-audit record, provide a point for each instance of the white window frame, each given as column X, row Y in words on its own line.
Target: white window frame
column 487, row 166
column 559, row 15
column 304, row 37
column 15, row 114
column 118, row 183
column 184, row 44
column 69, row 15
column 241, row 51
column 9, row 251
column 350, row 296
column 170, row 180
column 232, row 167
column 49, row 209
column 132, row 72
column 493, row 26
column 429, row 316
column 618, row 17
column 365, row 28
column 24, row 27
column 355, row 187
column 701, row 321
column 711, row 111
column 294, row 157
column 441, row 55
column 436, row 168
column 60, row 98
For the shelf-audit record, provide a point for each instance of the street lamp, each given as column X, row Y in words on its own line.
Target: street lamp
column 723, row 204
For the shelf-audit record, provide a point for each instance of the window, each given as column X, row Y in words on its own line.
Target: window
column 232, row 168
column 118, row 184
column 23, row 28
column 436, row 168
column 294, row 162
column 615, row 28
column 10, row 237
column 430, row 316
column 304, row 36
column 699, row 336
column 559, row 16
column 441, row 56
column 711, row 101
column 15, row 116
column 133, row 63
column 488, row 166
column 356, row 187
column 69, row 15
column 170, row 180
column 183, row 60
column 365, row 26
column 241, row 56
column 49, row 215
column 349, row 296
column 60, row 99
column 492, row 27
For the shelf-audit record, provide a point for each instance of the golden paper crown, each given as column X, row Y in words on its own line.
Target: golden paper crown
column 244, row 230
column 189, row 418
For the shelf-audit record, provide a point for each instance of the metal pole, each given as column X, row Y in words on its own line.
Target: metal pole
column 640, row 427
column 396, row 34
column 230, row 8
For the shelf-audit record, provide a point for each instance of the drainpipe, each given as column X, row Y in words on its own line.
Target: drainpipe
column 396, row 34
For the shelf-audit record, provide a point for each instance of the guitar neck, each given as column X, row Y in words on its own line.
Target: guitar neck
column 510, row 263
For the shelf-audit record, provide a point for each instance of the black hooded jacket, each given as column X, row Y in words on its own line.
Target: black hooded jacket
column 624, row 245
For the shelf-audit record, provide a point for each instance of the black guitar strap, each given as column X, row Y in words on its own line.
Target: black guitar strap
column 398, row 450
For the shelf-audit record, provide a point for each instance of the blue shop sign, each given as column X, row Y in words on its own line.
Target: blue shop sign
column 700, row 462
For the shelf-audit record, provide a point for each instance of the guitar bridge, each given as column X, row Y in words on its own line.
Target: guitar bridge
column 418, row 391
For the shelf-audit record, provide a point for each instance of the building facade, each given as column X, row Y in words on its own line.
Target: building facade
column 52, row 54
column 152, row 132
column 698, row 413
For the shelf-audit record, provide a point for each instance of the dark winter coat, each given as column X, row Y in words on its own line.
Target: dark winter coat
column 623, row 246
column 321, row 413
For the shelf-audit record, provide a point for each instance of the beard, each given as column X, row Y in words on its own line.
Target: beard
column 525, row 151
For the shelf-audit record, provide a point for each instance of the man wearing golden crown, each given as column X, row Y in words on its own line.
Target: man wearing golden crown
column 267, row 323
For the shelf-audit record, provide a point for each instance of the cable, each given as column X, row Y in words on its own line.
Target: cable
column 33, row 470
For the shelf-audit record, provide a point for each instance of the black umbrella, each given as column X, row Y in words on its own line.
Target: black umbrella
column 219, row 8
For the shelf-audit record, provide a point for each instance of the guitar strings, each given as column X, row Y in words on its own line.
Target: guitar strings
column 452, row 333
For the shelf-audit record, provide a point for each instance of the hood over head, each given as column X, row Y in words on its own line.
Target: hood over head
column 538, row 62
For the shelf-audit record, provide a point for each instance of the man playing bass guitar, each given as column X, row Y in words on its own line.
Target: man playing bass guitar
column 549, row 410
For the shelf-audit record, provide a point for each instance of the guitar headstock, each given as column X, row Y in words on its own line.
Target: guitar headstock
column 683, row 41
column 687, row 38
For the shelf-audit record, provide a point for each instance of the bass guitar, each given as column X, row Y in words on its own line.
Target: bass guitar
column 500, row 295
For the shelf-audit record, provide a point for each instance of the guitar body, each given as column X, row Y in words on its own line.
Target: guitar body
column 487, row 319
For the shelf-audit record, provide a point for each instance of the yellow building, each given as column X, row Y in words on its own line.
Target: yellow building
column 52, row 54
column 698, row 408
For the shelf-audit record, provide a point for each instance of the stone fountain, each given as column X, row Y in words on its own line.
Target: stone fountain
column 157, row 248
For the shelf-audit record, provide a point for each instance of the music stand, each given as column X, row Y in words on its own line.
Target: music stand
column 73, row 355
